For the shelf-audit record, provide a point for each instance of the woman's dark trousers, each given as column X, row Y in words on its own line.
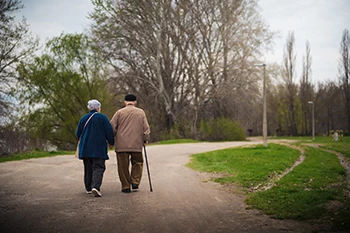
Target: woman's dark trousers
column 93, row 173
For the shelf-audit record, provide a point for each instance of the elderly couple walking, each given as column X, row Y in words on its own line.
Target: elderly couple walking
column 128, row 131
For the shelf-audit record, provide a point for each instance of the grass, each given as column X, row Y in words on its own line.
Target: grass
column 247, row 167
column 32, row 154
column 339, row 146
column 313, row 190
column 318, row 139
column 304, row 193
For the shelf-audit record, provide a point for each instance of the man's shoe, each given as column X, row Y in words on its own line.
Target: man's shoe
column 88, row 192
column 135, row 186
column 96, row 192
column 126, row 190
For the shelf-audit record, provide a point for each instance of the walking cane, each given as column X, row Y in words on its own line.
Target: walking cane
column 149, row 176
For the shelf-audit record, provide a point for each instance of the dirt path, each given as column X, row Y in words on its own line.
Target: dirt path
column 272, row 181
column 47, row 195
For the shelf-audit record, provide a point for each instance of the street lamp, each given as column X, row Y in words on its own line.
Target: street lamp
column 313, row 119
column 264, row 107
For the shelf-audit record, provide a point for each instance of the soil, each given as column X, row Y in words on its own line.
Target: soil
column 47, row 195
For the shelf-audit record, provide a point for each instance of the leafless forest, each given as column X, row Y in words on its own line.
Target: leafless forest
column 189, row 63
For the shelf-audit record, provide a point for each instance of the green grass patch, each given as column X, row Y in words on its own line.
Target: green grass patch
column 246, row 166
column 33, row 154
column 304, row 193
column 176, row 141
column 318, row 139
column 313, row 190
column 339, row 146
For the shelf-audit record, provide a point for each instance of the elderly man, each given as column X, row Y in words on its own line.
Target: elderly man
column 94, row 131
column 131, row 132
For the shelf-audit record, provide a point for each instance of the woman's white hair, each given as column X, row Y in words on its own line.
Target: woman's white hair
column 93, row 105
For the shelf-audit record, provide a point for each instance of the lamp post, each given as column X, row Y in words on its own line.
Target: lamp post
column 313, row 119
column 264, row 108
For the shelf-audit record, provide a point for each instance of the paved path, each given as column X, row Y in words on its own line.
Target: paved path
column 47, row 195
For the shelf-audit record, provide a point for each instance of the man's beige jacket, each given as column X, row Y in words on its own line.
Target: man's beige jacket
column 130, row 129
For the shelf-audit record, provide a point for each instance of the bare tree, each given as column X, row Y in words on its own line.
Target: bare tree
column 330, row 109
column 15, row 45
column 306, row 91
column 275, row 93
column 344, row 72
column 142, row 48
column 183, row 56
column 291, row 87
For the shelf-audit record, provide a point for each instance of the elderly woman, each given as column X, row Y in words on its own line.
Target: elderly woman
column 94, row 131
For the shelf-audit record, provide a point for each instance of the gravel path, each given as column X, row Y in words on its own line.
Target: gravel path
column 47, row 195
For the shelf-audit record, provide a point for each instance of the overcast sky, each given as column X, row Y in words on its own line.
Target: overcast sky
column 321, row 22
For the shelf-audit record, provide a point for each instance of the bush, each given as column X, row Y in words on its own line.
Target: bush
column 221, row 129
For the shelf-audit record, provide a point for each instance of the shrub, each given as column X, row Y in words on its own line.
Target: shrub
column 221, row 129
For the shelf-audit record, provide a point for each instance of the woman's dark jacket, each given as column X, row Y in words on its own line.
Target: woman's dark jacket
column 94, row 137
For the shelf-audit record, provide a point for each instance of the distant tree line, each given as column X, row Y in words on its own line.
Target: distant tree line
column 192, row 64
column 290, row 99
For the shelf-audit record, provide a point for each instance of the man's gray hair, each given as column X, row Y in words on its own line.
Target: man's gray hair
column 93, row 105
